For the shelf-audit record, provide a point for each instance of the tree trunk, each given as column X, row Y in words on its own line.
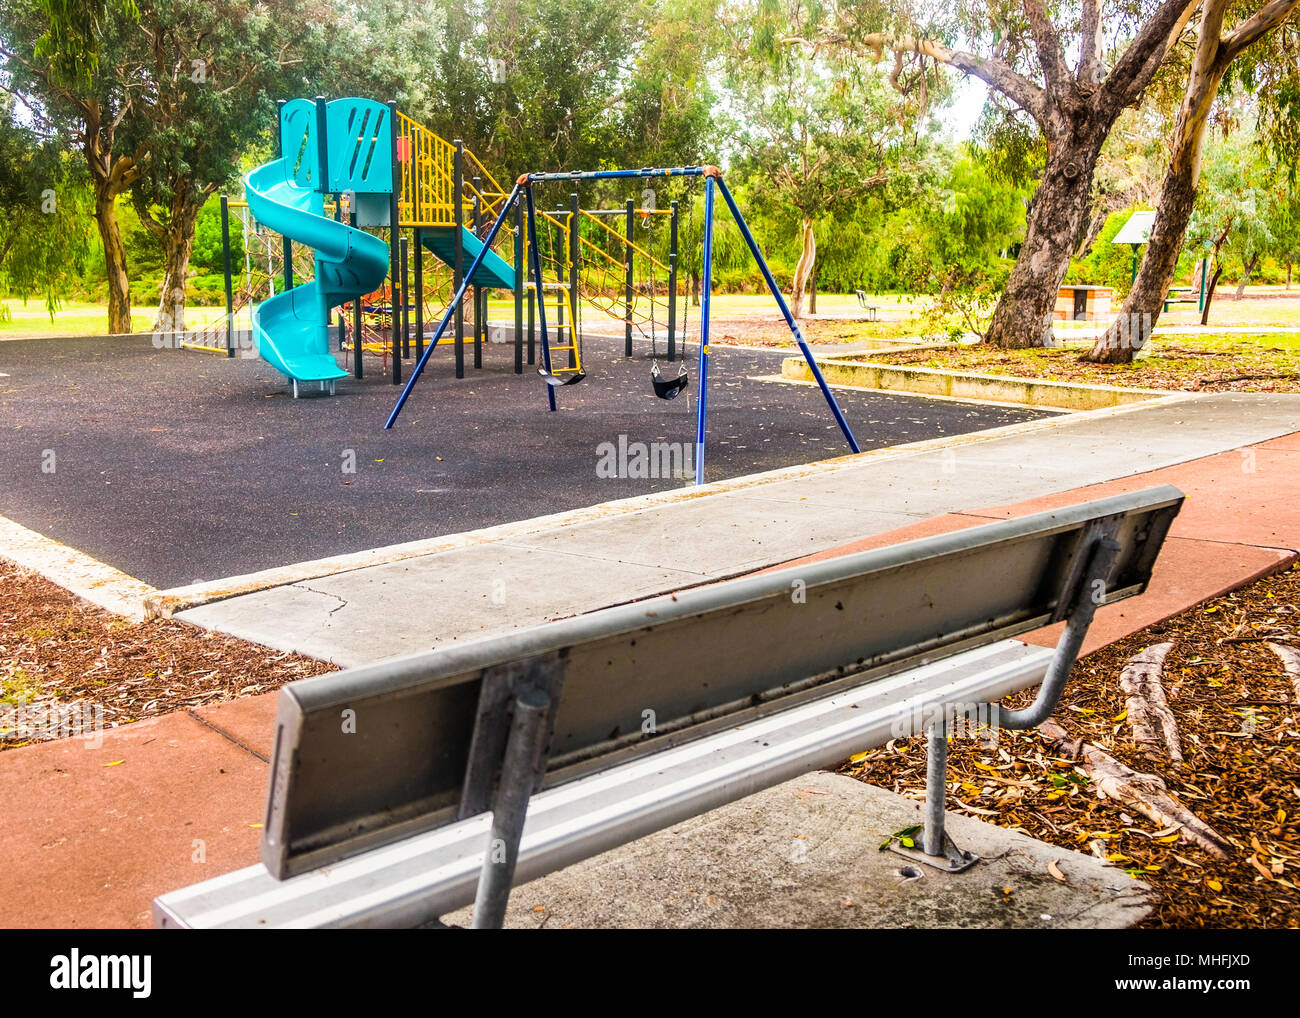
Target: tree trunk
column 1209, row 294
column 803, row 269
column 1023, row 315
column 177, row 247
column 119, row 283
column 1288, row 275
column 812, row 289
column 176, row 235
column 1247, row 267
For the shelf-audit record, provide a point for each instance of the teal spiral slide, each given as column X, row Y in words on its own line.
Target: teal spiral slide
column 291, row 329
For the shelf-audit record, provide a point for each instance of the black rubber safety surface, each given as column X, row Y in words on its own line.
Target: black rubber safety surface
column 176, row 465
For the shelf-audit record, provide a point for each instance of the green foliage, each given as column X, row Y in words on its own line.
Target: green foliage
column 45, row 235
column 208, row 252
column 71, row 40
column 1107, row 263
column 1245, row 205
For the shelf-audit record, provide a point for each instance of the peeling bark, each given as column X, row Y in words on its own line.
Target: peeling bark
column 1290, row 658
column 119, row 282
column 1023, row 316
column 1149, row 716
column 1145, row 793
column 175, row 232
column 803, row 269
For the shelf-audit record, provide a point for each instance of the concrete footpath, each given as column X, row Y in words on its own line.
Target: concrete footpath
column 93, row 833
column 523, row 575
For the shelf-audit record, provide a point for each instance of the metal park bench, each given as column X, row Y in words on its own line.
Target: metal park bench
column 873, row 312
column 403, row 790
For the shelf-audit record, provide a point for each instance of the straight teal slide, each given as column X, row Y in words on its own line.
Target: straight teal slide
column 492, row 271
column 291, row 329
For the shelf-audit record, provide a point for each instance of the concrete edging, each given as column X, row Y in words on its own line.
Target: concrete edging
column 985, row 388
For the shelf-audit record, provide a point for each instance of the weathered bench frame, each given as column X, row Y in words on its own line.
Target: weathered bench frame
column 750, row 682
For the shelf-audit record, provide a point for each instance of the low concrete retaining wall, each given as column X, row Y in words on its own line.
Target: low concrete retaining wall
column 992, row 388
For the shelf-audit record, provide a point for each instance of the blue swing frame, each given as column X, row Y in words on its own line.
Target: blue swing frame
column 712, row 181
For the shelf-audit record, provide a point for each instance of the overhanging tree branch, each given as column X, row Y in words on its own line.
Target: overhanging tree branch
column 993, row 72
column 1135, row 68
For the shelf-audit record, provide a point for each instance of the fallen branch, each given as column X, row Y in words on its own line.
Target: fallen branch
column 1146, row 793
column 1146, row 704
column 1290, row 662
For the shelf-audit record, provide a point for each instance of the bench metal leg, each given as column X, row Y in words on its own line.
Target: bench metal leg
column 528, row 734
column 937, row 848
column 1096, row 559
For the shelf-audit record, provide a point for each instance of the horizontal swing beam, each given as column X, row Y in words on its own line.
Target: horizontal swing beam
column 672, row 171
column 623, row 212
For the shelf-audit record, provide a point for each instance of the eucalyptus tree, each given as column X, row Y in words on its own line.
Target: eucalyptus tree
column 177, row 90
column 44, row 226
column 1069, row 71
column 1226, row 31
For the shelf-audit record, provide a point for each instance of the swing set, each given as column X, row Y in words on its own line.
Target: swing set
column 521, row 202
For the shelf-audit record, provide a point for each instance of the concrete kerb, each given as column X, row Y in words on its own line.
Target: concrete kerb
column 985, row 388
column 166, row 603
column 87, row 577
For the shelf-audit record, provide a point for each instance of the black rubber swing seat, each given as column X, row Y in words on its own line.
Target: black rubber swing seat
column 568, row 378
column 668, row 388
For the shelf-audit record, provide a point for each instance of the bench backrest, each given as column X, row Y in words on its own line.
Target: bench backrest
column 374, row 754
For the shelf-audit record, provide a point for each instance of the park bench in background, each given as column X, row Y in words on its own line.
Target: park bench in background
column 399, row 790
column 1183, row 295
column 873, row 312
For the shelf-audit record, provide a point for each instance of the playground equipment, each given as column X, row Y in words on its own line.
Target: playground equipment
column 326, row 148
column 522, row 194
column 442, row 199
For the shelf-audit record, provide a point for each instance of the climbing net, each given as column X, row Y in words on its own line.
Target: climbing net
column 258, row 277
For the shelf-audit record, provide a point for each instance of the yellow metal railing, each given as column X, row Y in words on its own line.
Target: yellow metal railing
column 428, row 179
column 622, row 240
column 426, row 197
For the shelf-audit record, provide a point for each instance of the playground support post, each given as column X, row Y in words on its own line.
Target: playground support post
column 785, row 311
column 450, row 312
column 225, row 258
column 406, row 301
column 286, row 245
column 706, row 285
column 394, row 217
column 418, row 251
column 672, row 285
column 575, row 253
column 536, row 265
column 627, row 280
column 519, row 289
column 357, row 370
column 532, row 325
column 479, row 328
column 343, row 322
column 458, row 261
column 322, row 183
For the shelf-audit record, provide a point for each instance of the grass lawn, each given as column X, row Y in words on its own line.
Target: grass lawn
column 746, row 319
column 31, row 320
column 1260, row 362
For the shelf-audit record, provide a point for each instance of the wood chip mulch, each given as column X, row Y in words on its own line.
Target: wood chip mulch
column 59, row 653
column 1239, row 723
column 1248, row 366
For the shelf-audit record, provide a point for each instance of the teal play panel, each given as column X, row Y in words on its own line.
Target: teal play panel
column 494, row 271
